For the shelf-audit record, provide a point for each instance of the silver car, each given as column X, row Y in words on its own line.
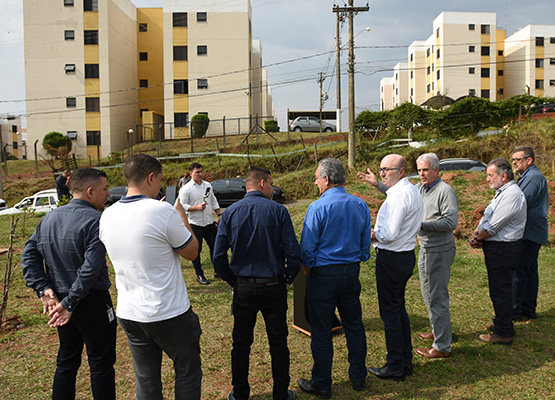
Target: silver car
column 311, row 124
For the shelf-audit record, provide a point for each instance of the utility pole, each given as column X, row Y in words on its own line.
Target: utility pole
column 351, row 142
column 340, row 18
column 321, row 81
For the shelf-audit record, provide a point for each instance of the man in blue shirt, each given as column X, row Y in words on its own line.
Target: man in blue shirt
column 261, row 237
column 64, row 262
column 525, row 279
column 335, row 239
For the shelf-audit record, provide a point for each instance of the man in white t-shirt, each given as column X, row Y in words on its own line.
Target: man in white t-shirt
column 197, row 198
column 144, row 239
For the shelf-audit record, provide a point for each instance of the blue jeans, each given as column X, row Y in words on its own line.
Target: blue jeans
column 178, row 337
column 329, row 287
column 526, row 280
column 89, row 325
column 271, row 300
column 393, row 270
column 208, row 233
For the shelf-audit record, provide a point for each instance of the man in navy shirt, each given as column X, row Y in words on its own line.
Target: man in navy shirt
column 534, row 186
column 335, row 239
column 261, row 237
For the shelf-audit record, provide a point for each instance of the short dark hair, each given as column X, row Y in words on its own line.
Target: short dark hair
column 138, row 167
column 255, row 175
column 194, row 165
column 334, row 170
column 526, row 150
column 503, row 166
column 83, row 178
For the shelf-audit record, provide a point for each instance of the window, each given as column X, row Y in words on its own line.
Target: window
column 485, row 50
column 437, row 32
column 181, row 120
column 69, row 35
column 485, row 29
column 202, row 84
column 539, row 62
column 72, row 135
column 484, row 73
column 539, row 41
column 201, row 17
column 471, row 27
column 70, row 69
column 143, row 83
column 437, row 74
column 552, row 61
column 141, row 111
column 500, row 90
column 539, row 83
column 68, row 3
column 412, row 91
column 472, row 70
column 411, row 74
column 90, row 5
column 180, row 53
column 472, row 92
column 93, row 138
column 499, row 72
column 92, row 104
column 552, row 40
column 14, row 128
column 14, row 145
column 428, row 88
column 396, row 77
column 500, row 53
column 437, row 53
column 143, row 56
column 71, row 102
column 91, row 37
column 428, row 70
column 143, row 27
column 91, row 71
column 428, row 53
column 179, row 19
column 202, row 50
column 552, row 82
column 471, row 49
column 411, row 56
column 180, row 86
column 484, row 93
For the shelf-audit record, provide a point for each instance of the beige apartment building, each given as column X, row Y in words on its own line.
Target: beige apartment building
column 11, row 137
column 108, row 73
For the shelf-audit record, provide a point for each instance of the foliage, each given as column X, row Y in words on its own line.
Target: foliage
column 271, row 126
column 199, row 125
column 372, row 121
column 115, row 158
column 57, row 145
column 9, row 271
column 407, row 115
column 469, row 115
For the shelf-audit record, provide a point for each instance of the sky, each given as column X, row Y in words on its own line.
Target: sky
column 298, row 42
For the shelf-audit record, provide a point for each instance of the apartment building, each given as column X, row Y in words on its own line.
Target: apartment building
column 11, row 137
column 386, row 93
column 108, row 73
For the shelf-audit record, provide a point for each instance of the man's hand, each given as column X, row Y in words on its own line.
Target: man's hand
column 474, row 242
column 49, row 301
column 198, row 207
column 306, row 270
column 369, row 177
column 59, row 316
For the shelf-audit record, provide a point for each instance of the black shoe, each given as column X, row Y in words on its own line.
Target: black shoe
column 290, row 395
column 358, row 386
column 216, row 276
column 387, row 373
column 231, row 396
column 202, row 280
column 409, row 370
column 517, row 317
column 308, row 387
column 530, row 315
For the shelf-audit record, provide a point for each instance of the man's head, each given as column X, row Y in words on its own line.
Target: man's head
column 428, row 168
column 330, row 173
column 195, row 170
column 143, row 172
column 91, row 185
column 393, row 168
column 66, row 173
column 259, row 179
column 523, row 158
column 499, row 173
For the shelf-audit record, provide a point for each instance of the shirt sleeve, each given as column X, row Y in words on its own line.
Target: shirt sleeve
column 221, row 246
column 290, row 247
column 397, row 211
column 365, row 237
column 184, row 198
column 506, row 209
column 213, row 201
column 449, row 218
column 32, row 264
column 310, row 237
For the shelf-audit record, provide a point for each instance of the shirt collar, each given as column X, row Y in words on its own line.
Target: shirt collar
column 333, row 189
column 431, row 185
column 82, row 203
column 131, row 199
column 255, row 193
column 504, row 187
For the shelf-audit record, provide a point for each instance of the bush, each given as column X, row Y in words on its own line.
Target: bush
column 271, row 126
column 199, row 125
column 57, row 144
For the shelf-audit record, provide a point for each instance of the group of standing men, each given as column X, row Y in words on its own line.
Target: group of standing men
column 64, row 262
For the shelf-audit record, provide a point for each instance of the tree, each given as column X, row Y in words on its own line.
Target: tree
column 407, row 115
column 469, row 115
column 199, row 125
column 372, row 121
column 57, row 145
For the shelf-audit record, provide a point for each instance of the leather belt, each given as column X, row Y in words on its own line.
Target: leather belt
column 274, row 279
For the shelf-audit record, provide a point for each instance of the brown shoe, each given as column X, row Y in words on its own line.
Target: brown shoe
column 430, row 352
column 426, row 335
column 496, row 339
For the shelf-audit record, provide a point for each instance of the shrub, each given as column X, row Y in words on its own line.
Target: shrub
column 199, row 125
column 271, row 126
column 57, row 144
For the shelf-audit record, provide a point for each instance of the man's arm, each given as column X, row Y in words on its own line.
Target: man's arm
column 291, row 248
column 32, row 265
column 189, row 252
column 371, row 179
column 310, row 238
column 220, row 259
column 507, row 208
column 449, row 217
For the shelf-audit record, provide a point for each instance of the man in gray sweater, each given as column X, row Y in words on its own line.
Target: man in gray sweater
column 437, row 251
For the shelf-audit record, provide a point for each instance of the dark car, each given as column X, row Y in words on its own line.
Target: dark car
column 116, row 193
column 455, row 164
column 228, row 191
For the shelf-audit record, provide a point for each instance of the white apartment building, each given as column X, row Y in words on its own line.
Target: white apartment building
column 400, row 83
column 386, row 93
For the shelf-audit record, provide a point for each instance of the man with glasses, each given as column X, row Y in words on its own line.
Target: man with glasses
column 394, row 236
column 525, row 279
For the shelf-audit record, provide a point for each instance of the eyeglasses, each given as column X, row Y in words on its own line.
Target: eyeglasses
column 515, row 159
column 386, row 169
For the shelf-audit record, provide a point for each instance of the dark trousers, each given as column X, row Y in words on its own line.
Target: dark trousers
column 179, row 338
column 89, row 325
column 502, row 258
column 271, row 300
column 393, row 270
column 207, row 232
column 526, row 280
column 329, row 287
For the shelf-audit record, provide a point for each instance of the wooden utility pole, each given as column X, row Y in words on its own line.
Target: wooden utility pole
column 351, row 11
column 320, row 81
column 340, row 18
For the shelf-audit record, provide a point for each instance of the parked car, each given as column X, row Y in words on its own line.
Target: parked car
column 228, row 191
column 547, row 108
column 116, row 193
column 454, row 164
column 311, row 124
column 43, row 201
column 3, row 204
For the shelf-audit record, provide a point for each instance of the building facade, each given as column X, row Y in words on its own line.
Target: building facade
column 11, row 138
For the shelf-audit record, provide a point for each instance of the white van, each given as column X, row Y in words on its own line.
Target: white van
column 43, row 201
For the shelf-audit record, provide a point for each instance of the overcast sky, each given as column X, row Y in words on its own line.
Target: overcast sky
column 293, row 29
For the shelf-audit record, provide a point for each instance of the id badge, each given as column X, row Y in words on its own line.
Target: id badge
column 111, row 316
